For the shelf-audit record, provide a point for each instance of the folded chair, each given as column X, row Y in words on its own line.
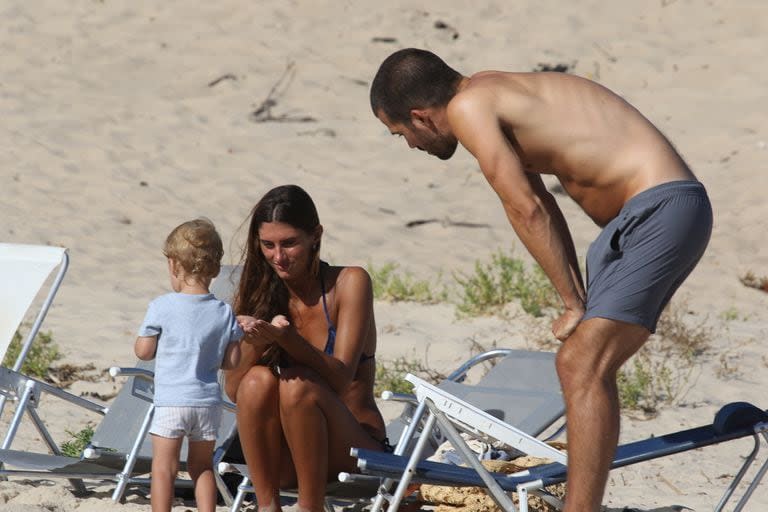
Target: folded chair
column 733, row 421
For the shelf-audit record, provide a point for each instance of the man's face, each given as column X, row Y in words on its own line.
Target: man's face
column 422, row 135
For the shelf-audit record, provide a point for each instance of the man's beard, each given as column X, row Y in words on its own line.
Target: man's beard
column 444, row 149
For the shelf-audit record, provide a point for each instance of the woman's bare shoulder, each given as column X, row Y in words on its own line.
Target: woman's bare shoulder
column 351, row 281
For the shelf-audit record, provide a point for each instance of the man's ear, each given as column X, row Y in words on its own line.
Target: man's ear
column 422, row 118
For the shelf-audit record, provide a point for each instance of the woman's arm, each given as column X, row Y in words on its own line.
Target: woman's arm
column 252, row 346
column 354, row 304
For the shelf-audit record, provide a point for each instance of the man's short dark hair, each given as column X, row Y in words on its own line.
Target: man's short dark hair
column 412, row 78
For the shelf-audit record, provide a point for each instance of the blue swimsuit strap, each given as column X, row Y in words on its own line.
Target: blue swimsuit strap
column 329, row 345
column 331, row 342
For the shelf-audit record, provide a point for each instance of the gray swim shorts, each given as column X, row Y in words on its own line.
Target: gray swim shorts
column 644, row 254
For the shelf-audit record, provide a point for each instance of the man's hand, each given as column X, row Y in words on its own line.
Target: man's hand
column 567, row 323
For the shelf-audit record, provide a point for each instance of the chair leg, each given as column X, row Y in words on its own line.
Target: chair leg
column 403, row 445
column 124, row 478
column 240, row 496
column 402, row 486
column 755, row 481
column 498, row 494
column 21, row 406
column 742, row 471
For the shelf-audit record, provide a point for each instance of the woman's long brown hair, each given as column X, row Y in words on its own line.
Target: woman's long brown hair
column 261, row 293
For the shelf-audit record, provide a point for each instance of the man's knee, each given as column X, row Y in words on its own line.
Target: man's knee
column 573, row 368
column 597, row 349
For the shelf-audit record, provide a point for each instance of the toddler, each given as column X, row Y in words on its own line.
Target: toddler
column 191, row 334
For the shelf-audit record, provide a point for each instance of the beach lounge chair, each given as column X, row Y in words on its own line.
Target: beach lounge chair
column 733, row 421
column 119, row 450
column 531, row 400
column 24, row 270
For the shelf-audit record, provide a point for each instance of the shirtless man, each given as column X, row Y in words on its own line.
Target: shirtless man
column 617, row 166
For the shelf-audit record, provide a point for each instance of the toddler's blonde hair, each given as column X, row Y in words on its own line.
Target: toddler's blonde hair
column 197, row 247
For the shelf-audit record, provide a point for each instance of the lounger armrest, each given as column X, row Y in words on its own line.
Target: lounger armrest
column 398, row 397
column 117, row 371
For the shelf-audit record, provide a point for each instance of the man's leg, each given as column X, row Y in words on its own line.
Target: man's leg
column 587, row 365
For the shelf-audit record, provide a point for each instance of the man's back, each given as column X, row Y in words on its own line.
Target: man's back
column 600, row 147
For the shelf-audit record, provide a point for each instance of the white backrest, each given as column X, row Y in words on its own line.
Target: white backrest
column 23, row 270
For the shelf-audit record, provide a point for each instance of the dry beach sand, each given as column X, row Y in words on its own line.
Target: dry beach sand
column 122, row 119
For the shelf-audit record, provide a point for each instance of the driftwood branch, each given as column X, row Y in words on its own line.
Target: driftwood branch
column 263, row 112
column 446, row 222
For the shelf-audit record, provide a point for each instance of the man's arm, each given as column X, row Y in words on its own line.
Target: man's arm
column 562, row 227
column 529, row 207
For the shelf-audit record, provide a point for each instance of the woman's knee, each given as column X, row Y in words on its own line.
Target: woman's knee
column 298, row 389
column 257, row 387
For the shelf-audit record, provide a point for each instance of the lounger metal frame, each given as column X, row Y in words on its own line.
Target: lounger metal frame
column 450, row 413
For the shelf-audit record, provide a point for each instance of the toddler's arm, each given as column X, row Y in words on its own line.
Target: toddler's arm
column 231, row 356
column 145, row 347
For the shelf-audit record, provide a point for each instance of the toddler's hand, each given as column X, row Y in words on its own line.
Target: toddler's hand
column 247, row 323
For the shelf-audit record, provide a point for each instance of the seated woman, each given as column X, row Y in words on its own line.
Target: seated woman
column 304, row 385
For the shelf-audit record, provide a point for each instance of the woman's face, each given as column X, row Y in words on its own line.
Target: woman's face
column 287, row 249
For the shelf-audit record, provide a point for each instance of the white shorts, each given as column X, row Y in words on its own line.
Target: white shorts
column 197, row 423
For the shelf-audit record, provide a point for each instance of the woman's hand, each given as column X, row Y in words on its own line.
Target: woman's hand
column 275, row 332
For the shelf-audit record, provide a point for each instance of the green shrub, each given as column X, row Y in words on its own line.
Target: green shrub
column 505, row 279
column 75, row 446
column 660, row 372
column 41, row 355
column 390, row 285
column 390, row 375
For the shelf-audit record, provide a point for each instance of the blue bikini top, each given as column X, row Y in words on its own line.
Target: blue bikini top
column 331, row 341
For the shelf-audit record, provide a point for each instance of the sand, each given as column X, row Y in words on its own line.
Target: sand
column 123, row 119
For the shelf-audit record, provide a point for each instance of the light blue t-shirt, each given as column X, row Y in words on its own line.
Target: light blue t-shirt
column 193, row 332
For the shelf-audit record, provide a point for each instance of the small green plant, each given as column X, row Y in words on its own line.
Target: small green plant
column 653, row 377
column 495, row 284
column 390, row 375
column 79, row 440
column 660, row 372
column 388, row 284
column 730, row 314
column 686, row 341
column 41, row 355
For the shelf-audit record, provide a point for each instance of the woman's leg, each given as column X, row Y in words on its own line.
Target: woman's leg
column 319, row 430
column 165, row 465
column 261, row 436
column 200, row 467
